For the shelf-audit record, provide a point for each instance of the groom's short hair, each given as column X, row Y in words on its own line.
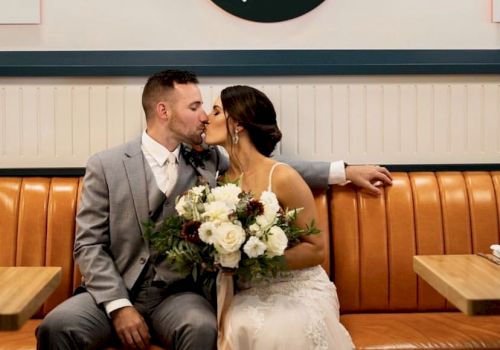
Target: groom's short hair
column 162, row 82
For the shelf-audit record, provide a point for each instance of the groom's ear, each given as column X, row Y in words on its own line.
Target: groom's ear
column 163, row 110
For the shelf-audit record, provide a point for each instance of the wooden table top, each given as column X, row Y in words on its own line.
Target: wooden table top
column 22, row 291
column 470, row 282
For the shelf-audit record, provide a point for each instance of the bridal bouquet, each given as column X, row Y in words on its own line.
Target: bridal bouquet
column 226, row 228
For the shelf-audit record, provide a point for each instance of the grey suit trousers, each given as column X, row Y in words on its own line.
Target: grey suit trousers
column 182, row 320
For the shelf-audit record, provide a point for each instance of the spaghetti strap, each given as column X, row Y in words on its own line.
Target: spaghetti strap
column 269, row 187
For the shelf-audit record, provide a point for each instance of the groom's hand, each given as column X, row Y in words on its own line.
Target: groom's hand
column 131, row 327
column 368, row 177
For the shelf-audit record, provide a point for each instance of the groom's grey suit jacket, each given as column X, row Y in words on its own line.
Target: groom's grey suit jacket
column 119, row 195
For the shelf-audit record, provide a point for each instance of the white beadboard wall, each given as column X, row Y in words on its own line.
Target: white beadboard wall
column 59, row 122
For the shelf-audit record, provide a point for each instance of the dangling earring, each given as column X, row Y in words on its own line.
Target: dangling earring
column 236, row 137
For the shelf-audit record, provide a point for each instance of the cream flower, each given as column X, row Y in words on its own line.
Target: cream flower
column 292, row 213
column 181, row 207
column 254, row 247
column 216, row 212
column 228, row 194
column 255, row 230
column 271, row 205
column 230, row 260
column 207, row 232
column 187, row 208
column 198, row 190
column 262, row 221
column 276, row 242
column 228, row 237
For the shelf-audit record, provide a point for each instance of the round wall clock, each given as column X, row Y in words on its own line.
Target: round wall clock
column 267, row 10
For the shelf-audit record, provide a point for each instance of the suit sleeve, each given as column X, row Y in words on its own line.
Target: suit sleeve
column 92, row 240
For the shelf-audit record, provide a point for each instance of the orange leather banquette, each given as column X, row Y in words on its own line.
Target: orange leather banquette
column 371, row 242
column 384, row 305
column 37, row 225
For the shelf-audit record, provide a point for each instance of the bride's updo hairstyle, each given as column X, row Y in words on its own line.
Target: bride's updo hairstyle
column 253, row 110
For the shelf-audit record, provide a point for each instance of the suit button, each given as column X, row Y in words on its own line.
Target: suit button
column 142, row 260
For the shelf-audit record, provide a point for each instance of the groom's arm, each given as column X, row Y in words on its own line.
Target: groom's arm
column 318, row 174
column 315, row 173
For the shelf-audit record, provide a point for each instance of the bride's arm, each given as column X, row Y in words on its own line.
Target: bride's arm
column 293, row 192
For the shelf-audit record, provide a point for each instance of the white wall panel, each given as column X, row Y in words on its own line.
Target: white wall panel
column 289, row 120
column 63, row 122
column 491, row 125
column 81, row 119
column 324, row 122
column 340, row 120
column 387, row 120
column 458, row 108
column 374, row 118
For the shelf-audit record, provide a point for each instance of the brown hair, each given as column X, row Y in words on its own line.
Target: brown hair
column 253, row 110
column 162, row 82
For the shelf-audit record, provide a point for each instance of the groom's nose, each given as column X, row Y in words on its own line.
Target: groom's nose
column 204, row 117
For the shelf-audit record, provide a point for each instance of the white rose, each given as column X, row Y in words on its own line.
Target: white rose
column 207, row 232
column 276, row 242
column 230, row 259
column 228, row 194
column 217, row 212
column 254, row 247
column 228, row 237
column 271, row 205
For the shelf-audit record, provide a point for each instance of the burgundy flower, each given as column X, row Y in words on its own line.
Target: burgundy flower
column 190, row 232
column 255, row 208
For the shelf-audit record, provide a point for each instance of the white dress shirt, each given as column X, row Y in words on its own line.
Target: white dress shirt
column 337, row 173
column 156, row 155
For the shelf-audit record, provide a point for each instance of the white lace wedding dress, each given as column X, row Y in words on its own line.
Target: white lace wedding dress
column 299, row 310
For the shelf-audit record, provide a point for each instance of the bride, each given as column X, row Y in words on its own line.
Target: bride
column 299, row 309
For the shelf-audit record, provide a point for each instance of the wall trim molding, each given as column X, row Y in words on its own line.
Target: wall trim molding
column 249, row 62
column 79, row 171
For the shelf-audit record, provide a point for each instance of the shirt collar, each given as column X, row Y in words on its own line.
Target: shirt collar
column 156, row 150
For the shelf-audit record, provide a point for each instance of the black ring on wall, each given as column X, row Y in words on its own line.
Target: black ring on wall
column 267, row 10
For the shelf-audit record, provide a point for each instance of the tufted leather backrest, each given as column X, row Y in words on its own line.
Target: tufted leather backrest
column 375, row 238
column 37, row 224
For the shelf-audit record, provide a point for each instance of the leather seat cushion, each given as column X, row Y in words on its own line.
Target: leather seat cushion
column 439, row 330
column 24, row 338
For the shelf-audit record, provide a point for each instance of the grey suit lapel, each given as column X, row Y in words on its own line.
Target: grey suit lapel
column 134, row 166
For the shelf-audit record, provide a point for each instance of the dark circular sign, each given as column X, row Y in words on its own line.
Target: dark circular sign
column 267, row 10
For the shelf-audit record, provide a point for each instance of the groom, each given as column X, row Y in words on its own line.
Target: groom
column 127, row 294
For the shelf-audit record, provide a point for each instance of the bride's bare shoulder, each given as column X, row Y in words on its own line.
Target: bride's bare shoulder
column 284, row 176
